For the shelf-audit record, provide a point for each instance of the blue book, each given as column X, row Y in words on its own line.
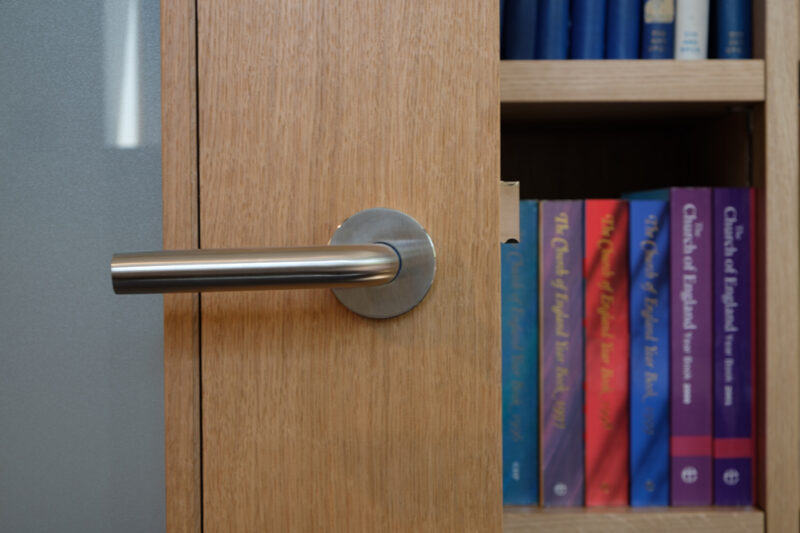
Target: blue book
column 519, row 33
column 658, row 30
column 622, row 38
column 502, row 25
column 691, row 342
column 520, row 317
column 588, row 29
column 733, row 35
column 650, row 345
column 552, row 32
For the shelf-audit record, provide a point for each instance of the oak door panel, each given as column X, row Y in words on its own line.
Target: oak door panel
column 313, row 418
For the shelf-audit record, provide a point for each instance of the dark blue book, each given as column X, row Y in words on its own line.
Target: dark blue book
column 734, row 346
column 588, row 29
column 650, row 356
column 624, row 20
column 658, row 29
column 552, row 31
column 520, row 318
column 733, row 33
column 519, row 33
column 502, row 24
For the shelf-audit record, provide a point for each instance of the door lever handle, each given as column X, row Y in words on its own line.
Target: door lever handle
column 380, row 263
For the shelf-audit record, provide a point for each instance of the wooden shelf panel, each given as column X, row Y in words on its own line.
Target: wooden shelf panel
column 672, row 520
column 614, row 81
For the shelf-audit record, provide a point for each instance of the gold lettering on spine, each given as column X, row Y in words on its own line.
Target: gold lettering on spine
column 607, row 251
column 559, row 309
column 690, row 229
column 650, row 253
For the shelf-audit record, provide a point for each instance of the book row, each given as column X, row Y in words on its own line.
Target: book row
column 629, row 351
column 625, row 29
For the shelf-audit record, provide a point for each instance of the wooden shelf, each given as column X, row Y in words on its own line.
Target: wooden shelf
column 608, row 81
column 706, row 519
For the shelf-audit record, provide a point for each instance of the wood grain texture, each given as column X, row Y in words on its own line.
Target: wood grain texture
column 779, row 477
column 180, row 227
column 666, row 520
column 315, row 419
column 632, row 81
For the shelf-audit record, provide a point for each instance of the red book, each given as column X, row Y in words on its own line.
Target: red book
column 607, row 352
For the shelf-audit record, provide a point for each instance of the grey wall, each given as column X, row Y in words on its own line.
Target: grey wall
column 81, row 378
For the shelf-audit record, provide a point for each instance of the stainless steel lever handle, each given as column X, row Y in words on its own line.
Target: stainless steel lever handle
column 380, row 263
column 247, row 269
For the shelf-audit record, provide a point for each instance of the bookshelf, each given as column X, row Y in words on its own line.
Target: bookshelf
column 347, row 105
column 598, row 128
column 538, row 82
column 707, row 519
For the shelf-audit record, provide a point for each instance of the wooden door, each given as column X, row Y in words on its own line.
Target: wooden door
column 311, row 418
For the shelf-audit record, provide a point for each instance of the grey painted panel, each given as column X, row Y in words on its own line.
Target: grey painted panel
column 81, row 372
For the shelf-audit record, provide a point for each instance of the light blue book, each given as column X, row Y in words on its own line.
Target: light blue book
column 650, row 352
column 520, row 316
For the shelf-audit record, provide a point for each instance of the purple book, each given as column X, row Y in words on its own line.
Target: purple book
column 691, row 347
column 691, row 331
column 561, row 333
column 734, row 446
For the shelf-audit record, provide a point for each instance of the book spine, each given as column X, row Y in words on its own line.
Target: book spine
column 588, row 29
column 753, row 326
column 658, row 30
column 520, row 353
column 691, row 29
column 552, row 33
column 607, row 352
column 733, row 35
column 562, row 353
column 649, row 330
column 734, row 446
column 691, row 346
column 519, row 33
column 624, row 20
column 502, row 28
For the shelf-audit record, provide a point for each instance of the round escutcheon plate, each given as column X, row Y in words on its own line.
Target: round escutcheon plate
column 417, row 262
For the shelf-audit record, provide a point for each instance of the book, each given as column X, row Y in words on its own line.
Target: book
column 502, row 28
column 552, row 31
column 734, row 346
column 658, row 29
column 691, row 346
column 733, row 33
column 649, row 370
column 520, row 366
column 607, row 351
column 588, row 29
column 519, row 33
column 691, row 29
column 561, row 316
column 622, row 37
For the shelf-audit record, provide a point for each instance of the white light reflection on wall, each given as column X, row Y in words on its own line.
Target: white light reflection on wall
column 122, row 73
